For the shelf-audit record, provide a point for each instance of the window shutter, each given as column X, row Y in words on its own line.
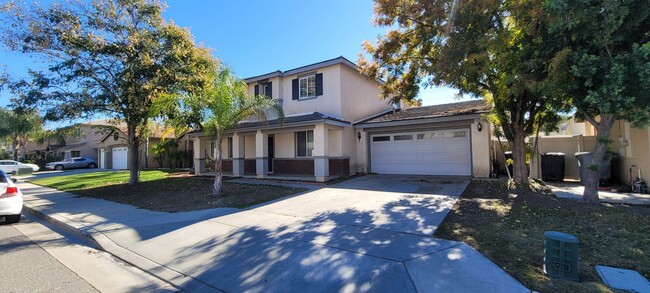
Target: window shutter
column 319, row 84
column 294, row 89
column 257, row 89
column 269, row 90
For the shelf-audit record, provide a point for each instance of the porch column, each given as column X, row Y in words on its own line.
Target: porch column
column 261, row 154
column 321, row 153
column 199, row 155
column 238, row 152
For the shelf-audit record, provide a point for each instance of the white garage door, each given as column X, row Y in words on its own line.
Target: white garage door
column 120, row 156
column 440, row 152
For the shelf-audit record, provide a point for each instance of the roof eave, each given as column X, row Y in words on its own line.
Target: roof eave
column 421, row 120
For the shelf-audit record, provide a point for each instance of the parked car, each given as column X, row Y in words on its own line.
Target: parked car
column 11, row 199
column 72, row 163
column 9, row 166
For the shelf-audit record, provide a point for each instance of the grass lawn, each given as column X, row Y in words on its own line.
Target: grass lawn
column 162, row 191
column 507, row 226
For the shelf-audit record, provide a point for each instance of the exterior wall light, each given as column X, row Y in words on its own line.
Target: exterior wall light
column 479, row 126
column 359, row 136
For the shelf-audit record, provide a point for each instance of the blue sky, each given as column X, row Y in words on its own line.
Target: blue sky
column 257, row 37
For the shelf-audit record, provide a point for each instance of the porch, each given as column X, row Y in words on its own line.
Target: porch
column 308, row 152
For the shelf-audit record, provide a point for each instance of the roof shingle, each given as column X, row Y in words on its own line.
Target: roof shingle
column 444, row 110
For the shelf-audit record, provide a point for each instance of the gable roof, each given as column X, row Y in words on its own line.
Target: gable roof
column 435, row 111
column 338, row 60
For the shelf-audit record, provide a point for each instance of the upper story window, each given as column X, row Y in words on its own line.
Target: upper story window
column 264, row 88
column 307, row 86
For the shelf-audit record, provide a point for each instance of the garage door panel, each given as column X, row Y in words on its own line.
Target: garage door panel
column 446, row 152
column 119, row 158
column 421, row 169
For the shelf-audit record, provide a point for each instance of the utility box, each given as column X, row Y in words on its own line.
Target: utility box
column 553, row 166
column 561, row 254
column 24, row 171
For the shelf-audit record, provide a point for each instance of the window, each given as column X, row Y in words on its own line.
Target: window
column 381, row 138
column 403, row 137
column 453, row 134
column 230, row 148
column 79, row 160
column 307, row 86
column 213, row 146
column 264, row 88
column 428, row 135
column 76, row 153
column 304, row 143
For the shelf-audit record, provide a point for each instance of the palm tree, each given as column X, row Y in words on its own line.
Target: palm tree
column 225, row 104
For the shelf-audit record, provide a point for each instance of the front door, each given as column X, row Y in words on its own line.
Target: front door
column 271, row 153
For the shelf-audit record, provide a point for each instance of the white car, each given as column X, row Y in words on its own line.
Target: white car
column 11, row 167
column 11, row 199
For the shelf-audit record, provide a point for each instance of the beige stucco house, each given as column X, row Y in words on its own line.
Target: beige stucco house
column 632, row 146
column 79, row 140
column 336, row 125
column 113, row 150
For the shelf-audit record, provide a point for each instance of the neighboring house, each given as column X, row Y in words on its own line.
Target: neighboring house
column 632, row 146
column 79, row 140
column 336, row 125
column 113, row 151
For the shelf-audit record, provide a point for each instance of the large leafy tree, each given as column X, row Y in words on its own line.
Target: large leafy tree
column 18, row 126
column 113, row 57
column 224, row 104
column 606, row 66
column 485, row 48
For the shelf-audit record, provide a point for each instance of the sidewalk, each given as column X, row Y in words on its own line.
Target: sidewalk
column 257, row 250
column 574, row 191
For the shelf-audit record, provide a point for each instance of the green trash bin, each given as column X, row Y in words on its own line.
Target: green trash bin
column 561, row 254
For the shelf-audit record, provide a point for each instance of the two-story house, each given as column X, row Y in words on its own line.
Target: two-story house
column 336, row 125
column 79, row 140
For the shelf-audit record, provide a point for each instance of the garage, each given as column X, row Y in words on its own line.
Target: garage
column 432, row 152
column 120, row 157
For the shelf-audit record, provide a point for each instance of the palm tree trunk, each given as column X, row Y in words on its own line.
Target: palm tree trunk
column 218, row 171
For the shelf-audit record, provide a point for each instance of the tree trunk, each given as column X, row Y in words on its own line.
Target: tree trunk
column 14, row 145
column 518, row 146
column 134, row 144
column 146, row 153
column 23, row 152
column 218, row 171
column 592, row 180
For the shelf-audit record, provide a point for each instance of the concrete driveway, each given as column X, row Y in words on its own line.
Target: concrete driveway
column 399, row 203
column 369, row 234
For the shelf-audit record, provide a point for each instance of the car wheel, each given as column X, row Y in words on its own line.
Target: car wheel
column 92, row 166
column 12, row 219
column 58, row 167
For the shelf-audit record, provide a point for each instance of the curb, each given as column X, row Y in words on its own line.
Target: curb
column 174, row 278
